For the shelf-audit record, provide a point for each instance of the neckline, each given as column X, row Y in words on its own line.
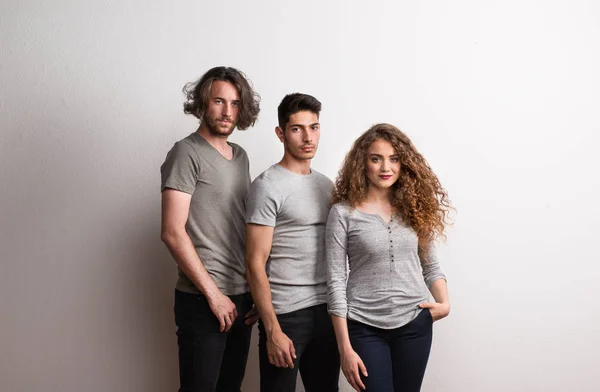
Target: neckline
column 379, row 217
column 233, row 154
column 295, row 174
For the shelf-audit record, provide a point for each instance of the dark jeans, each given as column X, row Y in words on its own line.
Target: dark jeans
column 395, row 358
column 210, row 360
column 317, row 356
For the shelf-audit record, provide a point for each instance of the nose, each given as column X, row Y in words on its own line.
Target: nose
column 227, row 110
column 306, row 136
column 385, row 165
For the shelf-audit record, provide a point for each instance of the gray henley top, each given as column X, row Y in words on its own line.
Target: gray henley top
column 383, row 279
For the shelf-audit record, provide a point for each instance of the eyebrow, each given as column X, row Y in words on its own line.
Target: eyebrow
column 381, row 156
column 302, row 125
column 223, row 99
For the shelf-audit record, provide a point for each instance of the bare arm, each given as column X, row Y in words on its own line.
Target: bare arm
column 441, row 307
column 351, row 363
column 175, row 210
column 439, row 290
column 259, row 239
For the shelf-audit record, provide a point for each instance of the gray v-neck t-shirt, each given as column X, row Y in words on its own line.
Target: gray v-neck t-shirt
column 296, row 206
column 376, row 274
column 216, row 217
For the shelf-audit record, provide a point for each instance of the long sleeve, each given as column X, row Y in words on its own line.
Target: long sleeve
column 431, row 267
column 375, row 273
column 336, row 240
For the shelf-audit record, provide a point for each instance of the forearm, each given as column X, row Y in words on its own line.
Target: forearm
column 261, row 294
column 439, row 290
column 182, row 249
column 340, row 326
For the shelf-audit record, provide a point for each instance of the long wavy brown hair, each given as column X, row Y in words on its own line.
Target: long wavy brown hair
column 198, row 94
column 417, row 196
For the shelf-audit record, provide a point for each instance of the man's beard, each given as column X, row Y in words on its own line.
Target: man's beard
column 215, row 129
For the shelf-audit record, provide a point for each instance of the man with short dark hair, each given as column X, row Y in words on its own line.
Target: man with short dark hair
column 204, row 183
column 287, row 208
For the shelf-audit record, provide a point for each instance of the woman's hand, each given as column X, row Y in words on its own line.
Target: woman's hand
column 351, row 366
column 438, row 310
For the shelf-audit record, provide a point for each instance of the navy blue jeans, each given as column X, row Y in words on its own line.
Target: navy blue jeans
column 317, row 355
column 395, row 358
column 210, row 360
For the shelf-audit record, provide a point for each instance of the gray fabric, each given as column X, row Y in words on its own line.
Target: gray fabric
column 297, row 207
column 384, row 278
column 216, row 219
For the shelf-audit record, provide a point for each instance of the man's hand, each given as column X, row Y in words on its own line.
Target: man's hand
column 252, row 316
column 351, row 366
column 438, row 310
column 223, row 309
column 280, row 350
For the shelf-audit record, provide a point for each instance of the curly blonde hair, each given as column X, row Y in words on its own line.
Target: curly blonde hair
column 417, row 196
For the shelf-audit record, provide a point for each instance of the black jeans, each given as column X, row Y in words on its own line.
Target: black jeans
column 395, row 358
column 210, row 360
column 317, row 356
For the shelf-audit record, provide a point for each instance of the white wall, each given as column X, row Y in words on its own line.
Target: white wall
column 501, row 97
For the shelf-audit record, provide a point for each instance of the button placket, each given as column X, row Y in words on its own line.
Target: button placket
column 389, row 227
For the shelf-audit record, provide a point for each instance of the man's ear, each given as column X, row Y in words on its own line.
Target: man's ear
column 279, row 133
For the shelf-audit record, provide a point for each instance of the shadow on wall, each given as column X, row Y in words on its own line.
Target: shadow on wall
column 146, row 275
column 151, row 270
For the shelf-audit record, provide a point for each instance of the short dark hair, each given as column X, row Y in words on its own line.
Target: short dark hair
column 198, row 94
column 294, row 103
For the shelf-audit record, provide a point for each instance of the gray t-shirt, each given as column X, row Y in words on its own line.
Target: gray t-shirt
column 384, row 278
column 296, row 206
column 216, row 218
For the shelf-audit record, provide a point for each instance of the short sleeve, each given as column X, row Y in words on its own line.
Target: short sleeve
column 181, row 168
column 262, row 203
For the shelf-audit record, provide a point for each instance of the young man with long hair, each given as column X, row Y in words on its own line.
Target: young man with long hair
column 205, row 179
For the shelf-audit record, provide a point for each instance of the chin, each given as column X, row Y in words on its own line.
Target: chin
column 303, row 156
column 222, row 132
column 382, row 184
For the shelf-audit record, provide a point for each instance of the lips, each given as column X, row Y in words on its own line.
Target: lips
column 385, row 177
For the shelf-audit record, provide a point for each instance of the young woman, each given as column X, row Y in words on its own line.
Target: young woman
column 388, row 208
